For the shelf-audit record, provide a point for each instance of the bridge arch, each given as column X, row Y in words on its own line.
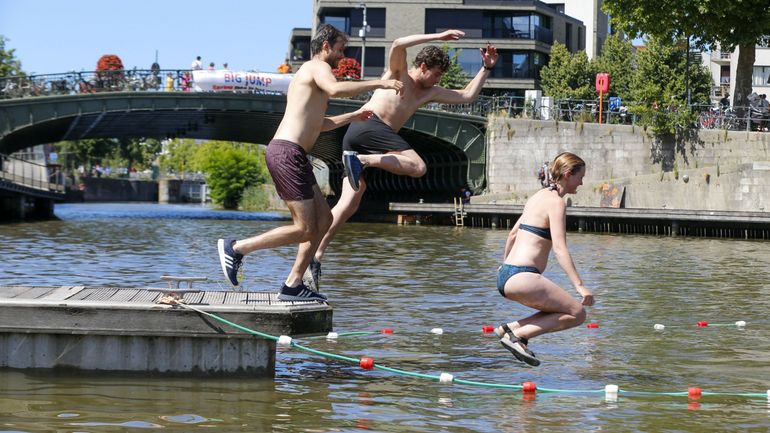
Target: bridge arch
column 452, row 145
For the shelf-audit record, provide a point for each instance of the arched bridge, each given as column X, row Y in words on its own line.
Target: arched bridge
column 452, row 145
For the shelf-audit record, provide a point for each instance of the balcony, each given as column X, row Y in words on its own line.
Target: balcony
column 721, row 57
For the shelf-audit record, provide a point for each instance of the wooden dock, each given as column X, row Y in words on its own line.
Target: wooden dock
column 667, row 222
column 126, row 330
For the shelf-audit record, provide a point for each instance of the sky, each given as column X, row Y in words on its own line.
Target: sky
column 52, row 36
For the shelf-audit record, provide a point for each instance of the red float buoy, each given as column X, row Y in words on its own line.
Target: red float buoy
column 487, row 329
column 694, row 392
column 528, row 387
column 592, row 326
column 366, row 363
column 387, row 331
column 702, row 324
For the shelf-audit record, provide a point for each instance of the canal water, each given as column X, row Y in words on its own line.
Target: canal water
column 413, row 279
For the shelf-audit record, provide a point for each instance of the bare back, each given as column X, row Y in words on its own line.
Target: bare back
column 306, row 105
column 529, row 249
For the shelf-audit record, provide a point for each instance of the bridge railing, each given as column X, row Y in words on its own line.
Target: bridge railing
column 31, row 174
column 70, row 83
column 571, row 110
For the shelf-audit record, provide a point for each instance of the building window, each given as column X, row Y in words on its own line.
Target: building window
column 510, row 64
column 581, row 40
column 375, row 59
column 568, row 37
column 300, row 49
column 350, row 20
column 724, row 75
column 340, row 22
column 760, row 76
column 469, row 60
column 439, row 20
column 517, row 25
column 375, row 18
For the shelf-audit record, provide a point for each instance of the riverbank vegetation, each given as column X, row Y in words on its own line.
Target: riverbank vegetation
column 230, row 168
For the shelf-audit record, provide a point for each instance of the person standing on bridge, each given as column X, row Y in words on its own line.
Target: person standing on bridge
column 286, row 157
column 376, row 143
column 542, row 226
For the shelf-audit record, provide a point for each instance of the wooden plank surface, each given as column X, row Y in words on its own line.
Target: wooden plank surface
column 127, row 311
column 63, row 292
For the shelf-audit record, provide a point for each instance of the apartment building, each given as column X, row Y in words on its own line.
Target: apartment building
column 723, row 63
column 522, row 30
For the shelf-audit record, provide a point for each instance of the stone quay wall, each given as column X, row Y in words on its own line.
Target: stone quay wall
column 718, row 170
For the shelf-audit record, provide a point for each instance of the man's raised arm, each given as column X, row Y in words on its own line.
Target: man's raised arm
column 472, row 90
column 327, row 82
column 397, row 59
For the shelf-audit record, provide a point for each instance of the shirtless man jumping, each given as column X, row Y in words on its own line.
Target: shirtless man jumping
column 292, row 172
column 376, row 143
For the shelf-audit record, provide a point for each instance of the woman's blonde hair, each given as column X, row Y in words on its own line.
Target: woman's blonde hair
column 564, row 163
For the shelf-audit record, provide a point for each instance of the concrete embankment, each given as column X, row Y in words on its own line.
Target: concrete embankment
column 719, row 170
column 107, row 189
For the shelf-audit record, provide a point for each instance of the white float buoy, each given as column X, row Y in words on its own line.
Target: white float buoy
column 611, row 393
column 332, row 336
column 284, row 340
column 740, row 323
column 659, row 327
column 437, row 331
column 446, row 378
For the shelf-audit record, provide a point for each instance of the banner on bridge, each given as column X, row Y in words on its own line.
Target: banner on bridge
column 238, row 81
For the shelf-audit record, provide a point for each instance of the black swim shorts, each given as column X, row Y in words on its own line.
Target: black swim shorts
column 373, row 136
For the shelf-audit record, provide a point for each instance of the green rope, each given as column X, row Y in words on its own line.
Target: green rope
column 456, row 380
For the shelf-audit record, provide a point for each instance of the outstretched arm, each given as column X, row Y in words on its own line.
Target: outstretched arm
column 558, row 223
column 471, row 91
column 327, row 82
column 397, row 59
column 335, row 122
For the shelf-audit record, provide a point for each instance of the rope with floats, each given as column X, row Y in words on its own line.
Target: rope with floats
column 610, row 391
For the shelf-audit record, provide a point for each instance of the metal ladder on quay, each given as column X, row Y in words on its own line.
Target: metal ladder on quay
column 460, row 213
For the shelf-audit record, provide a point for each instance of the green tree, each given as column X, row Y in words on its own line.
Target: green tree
column 568, row 76
column 179, row 156
column 137, row 153
column 230, row 168
column 742, row 24
column 617, row 59
column 83, row 152
column 454, row 77
column 660, row 75
column 10, row 66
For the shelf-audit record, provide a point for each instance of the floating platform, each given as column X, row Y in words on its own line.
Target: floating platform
column 113, row 329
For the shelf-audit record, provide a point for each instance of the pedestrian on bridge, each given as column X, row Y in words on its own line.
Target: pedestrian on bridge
column 376, row 143
column 292, row 172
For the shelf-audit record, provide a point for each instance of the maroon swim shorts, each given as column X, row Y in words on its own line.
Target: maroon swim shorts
column 291, row 170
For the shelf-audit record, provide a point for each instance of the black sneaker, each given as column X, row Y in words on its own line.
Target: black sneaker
column 353, row 167
column 230, row 260
column 299, row 293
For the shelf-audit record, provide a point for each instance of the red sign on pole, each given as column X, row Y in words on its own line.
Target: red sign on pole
column 602, row 82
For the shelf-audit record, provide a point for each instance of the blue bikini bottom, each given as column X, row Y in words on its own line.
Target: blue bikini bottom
column 507, row 271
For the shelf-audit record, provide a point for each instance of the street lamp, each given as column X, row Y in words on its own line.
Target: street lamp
column 362, row 34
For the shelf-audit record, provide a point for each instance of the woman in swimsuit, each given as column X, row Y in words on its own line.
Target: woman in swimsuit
column 542, row 226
